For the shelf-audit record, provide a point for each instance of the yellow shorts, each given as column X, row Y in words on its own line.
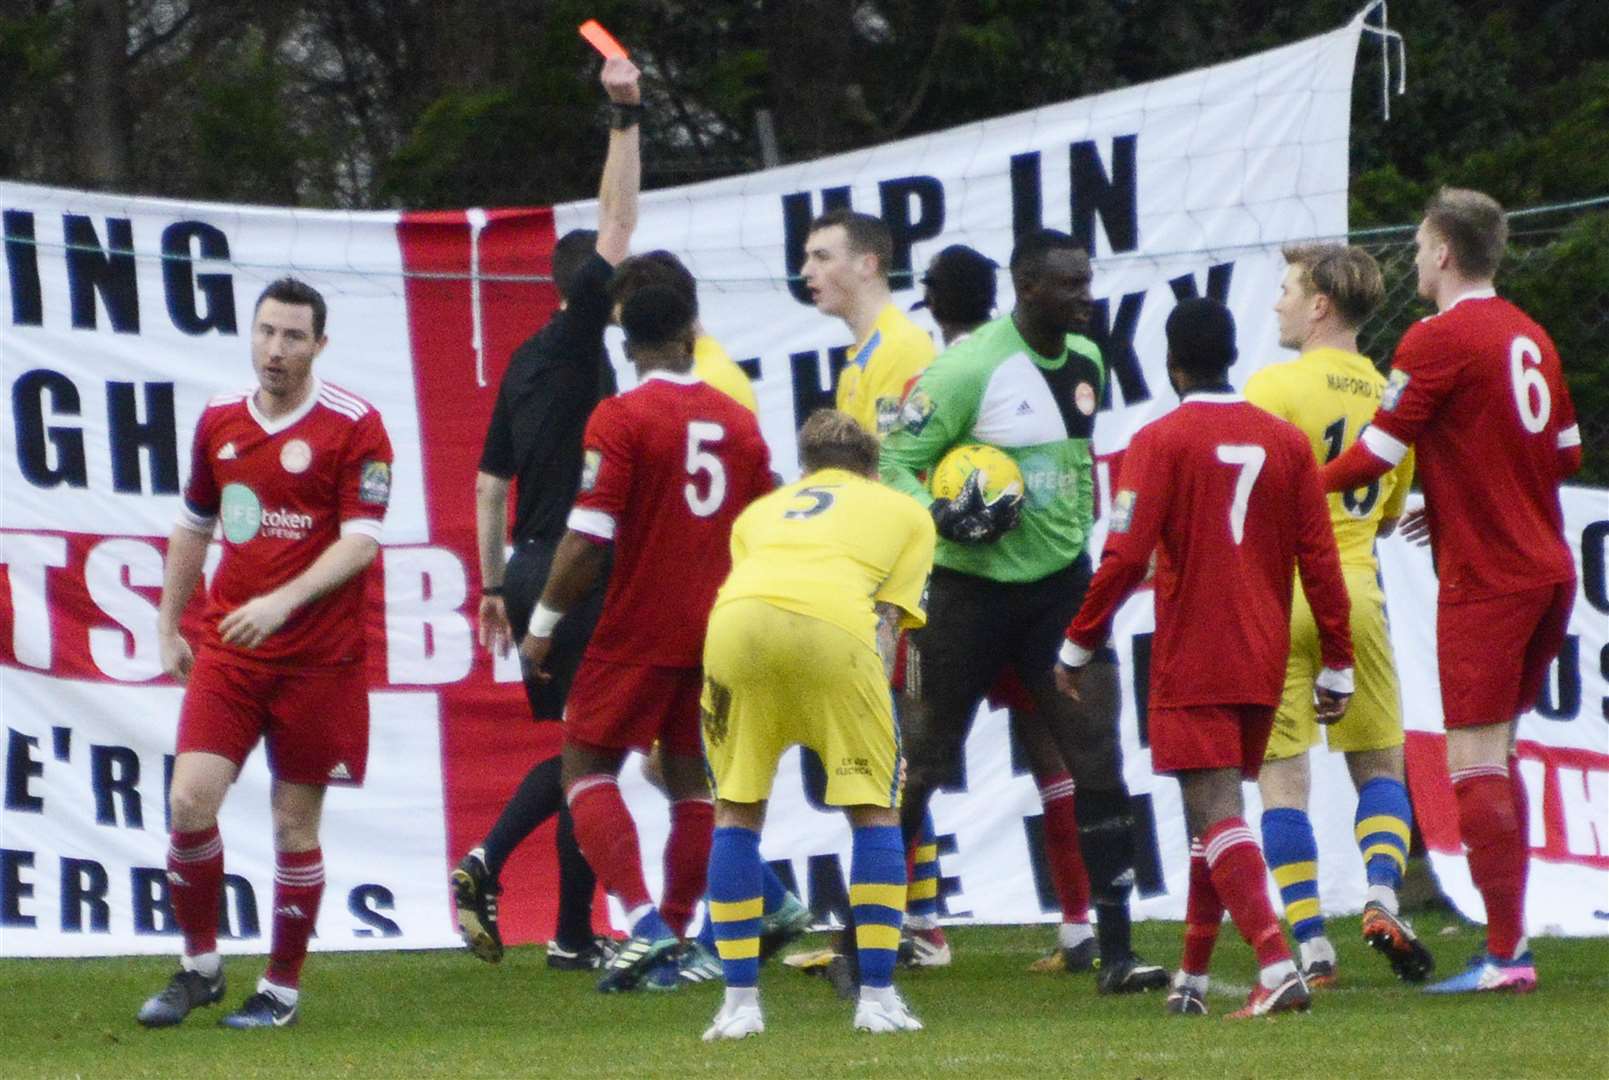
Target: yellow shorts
column 773, row 678
column 1373, row 719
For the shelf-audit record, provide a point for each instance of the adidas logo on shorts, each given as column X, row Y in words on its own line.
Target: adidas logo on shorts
column 340, row 772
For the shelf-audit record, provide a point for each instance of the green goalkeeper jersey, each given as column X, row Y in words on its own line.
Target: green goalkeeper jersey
column 992, row 388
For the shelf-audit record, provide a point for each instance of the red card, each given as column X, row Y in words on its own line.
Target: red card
column 601, row 39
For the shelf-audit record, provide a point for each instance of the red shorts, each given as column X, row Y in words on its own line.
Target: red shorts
column 1009, row 693
column 1210, row 737
column 616, row 706
column 316, row 721
column 1494, row 654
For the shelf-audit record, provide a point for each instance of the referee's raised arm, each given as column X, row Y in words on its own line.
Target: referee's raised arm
column 622, row 168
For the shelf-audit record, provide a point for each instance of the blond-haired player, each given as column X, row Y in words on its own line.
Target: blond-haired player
column 824, row 573
column 1330, row 392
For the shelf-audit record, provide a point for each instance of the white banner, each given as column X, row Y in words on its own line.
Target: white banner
column 1563, row 744
column 84, row 837
column 121, row 316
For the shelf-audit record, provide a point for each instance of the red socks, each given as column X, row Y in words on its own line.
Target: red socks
column 1241, row 879
column 1493, row 834
column 608, row 838
column 298, row 888
column 687, row 860
column 1203, row 914
column 1062, row 852
column 195, row 887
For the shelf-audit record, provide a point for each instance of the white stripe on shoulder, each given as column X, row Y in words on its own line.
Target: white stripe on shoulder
column 340, row 406
column 329, row 390
column 231, row 398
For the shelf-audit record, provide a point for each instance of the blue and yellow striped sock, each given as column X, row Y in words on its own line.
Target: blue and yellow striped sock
column 877, row 895
column 736, row 885
column 773, row 891
column 1382, row 828
column 922, row 896
column 1292, row 856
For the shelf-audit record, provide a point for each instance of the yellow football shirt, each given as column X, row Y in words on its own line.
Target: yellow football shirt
column 873, row 383
column 1332, row 395
column 831, row 546
column 712, row 365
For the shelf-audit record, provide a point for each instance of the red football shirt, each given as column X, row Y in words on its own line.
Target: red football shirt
column 1228, row 497
column 667, row 468
column 1478, row 390
column 284, row 490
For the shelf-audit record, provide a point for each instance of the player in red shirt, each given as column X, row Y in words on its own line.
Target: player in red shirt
column 1227, row 497
column 297, row 473
column 668, row 468
column 1478, row 390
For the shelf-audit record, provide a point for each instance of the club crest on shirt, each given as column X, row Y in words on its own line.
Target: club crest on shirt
column 591, row 462
column 296, row 456
column 374, row 485
column 1084, row 398
column 917, row 411
column 1122, row 511
column 1396, row 383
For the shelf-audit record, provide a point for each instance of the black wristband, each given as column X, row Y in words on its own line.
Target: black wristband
column 491, row 590
column 623, row 117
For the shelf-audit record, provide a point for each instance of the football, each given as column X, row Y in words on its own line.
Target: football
column 1000, row 473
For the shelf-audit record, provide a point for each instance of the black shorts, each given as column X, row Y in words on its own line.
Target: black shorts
column 975, row 629
column 523, row 582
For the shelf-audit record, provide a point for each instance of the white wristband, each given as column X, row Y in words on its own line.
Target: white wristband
column 543, row 620
column 1335, row 680
column 1073, row 654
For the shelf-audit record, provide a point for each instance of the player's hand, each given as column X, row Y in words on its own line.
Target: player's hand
column 493, row 630
column 250, row 624
column 1067, row 680
column 1415, row 527
column 619, row 79
column 1328, row 706
column 177, row 657
column 535, row 651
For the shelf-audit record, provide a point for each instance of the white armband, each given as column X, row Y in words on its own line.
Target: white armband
column 543, row 620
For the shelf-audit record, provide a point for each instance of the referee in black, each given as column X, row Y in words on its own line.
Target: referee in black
column 552, row 383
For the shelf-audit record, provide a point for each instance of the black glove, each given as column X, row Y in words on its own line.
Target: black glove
column 968, row 519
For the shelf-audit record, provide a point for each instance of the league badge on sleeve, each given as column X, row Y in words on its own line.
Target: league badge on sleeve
column 591, row 462
column 917, row 411
column 1122, row 511
column 888, row 414
column 1396, row 383
column 374, row 486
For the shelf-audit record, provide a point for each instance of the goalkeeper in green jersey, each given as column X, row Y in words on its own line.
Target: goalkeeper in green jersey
column 1009, row 575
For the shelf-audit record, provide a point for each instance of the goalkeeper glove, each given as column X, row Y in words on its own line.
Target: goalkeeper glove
column 970, row 519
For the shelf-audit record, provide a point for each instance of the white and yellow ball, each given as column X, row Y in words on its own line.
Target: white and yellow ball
column 1001, row 476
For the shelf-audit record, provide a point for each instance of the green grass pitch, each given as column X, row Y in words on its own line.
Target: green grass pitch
column 426, row 1014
